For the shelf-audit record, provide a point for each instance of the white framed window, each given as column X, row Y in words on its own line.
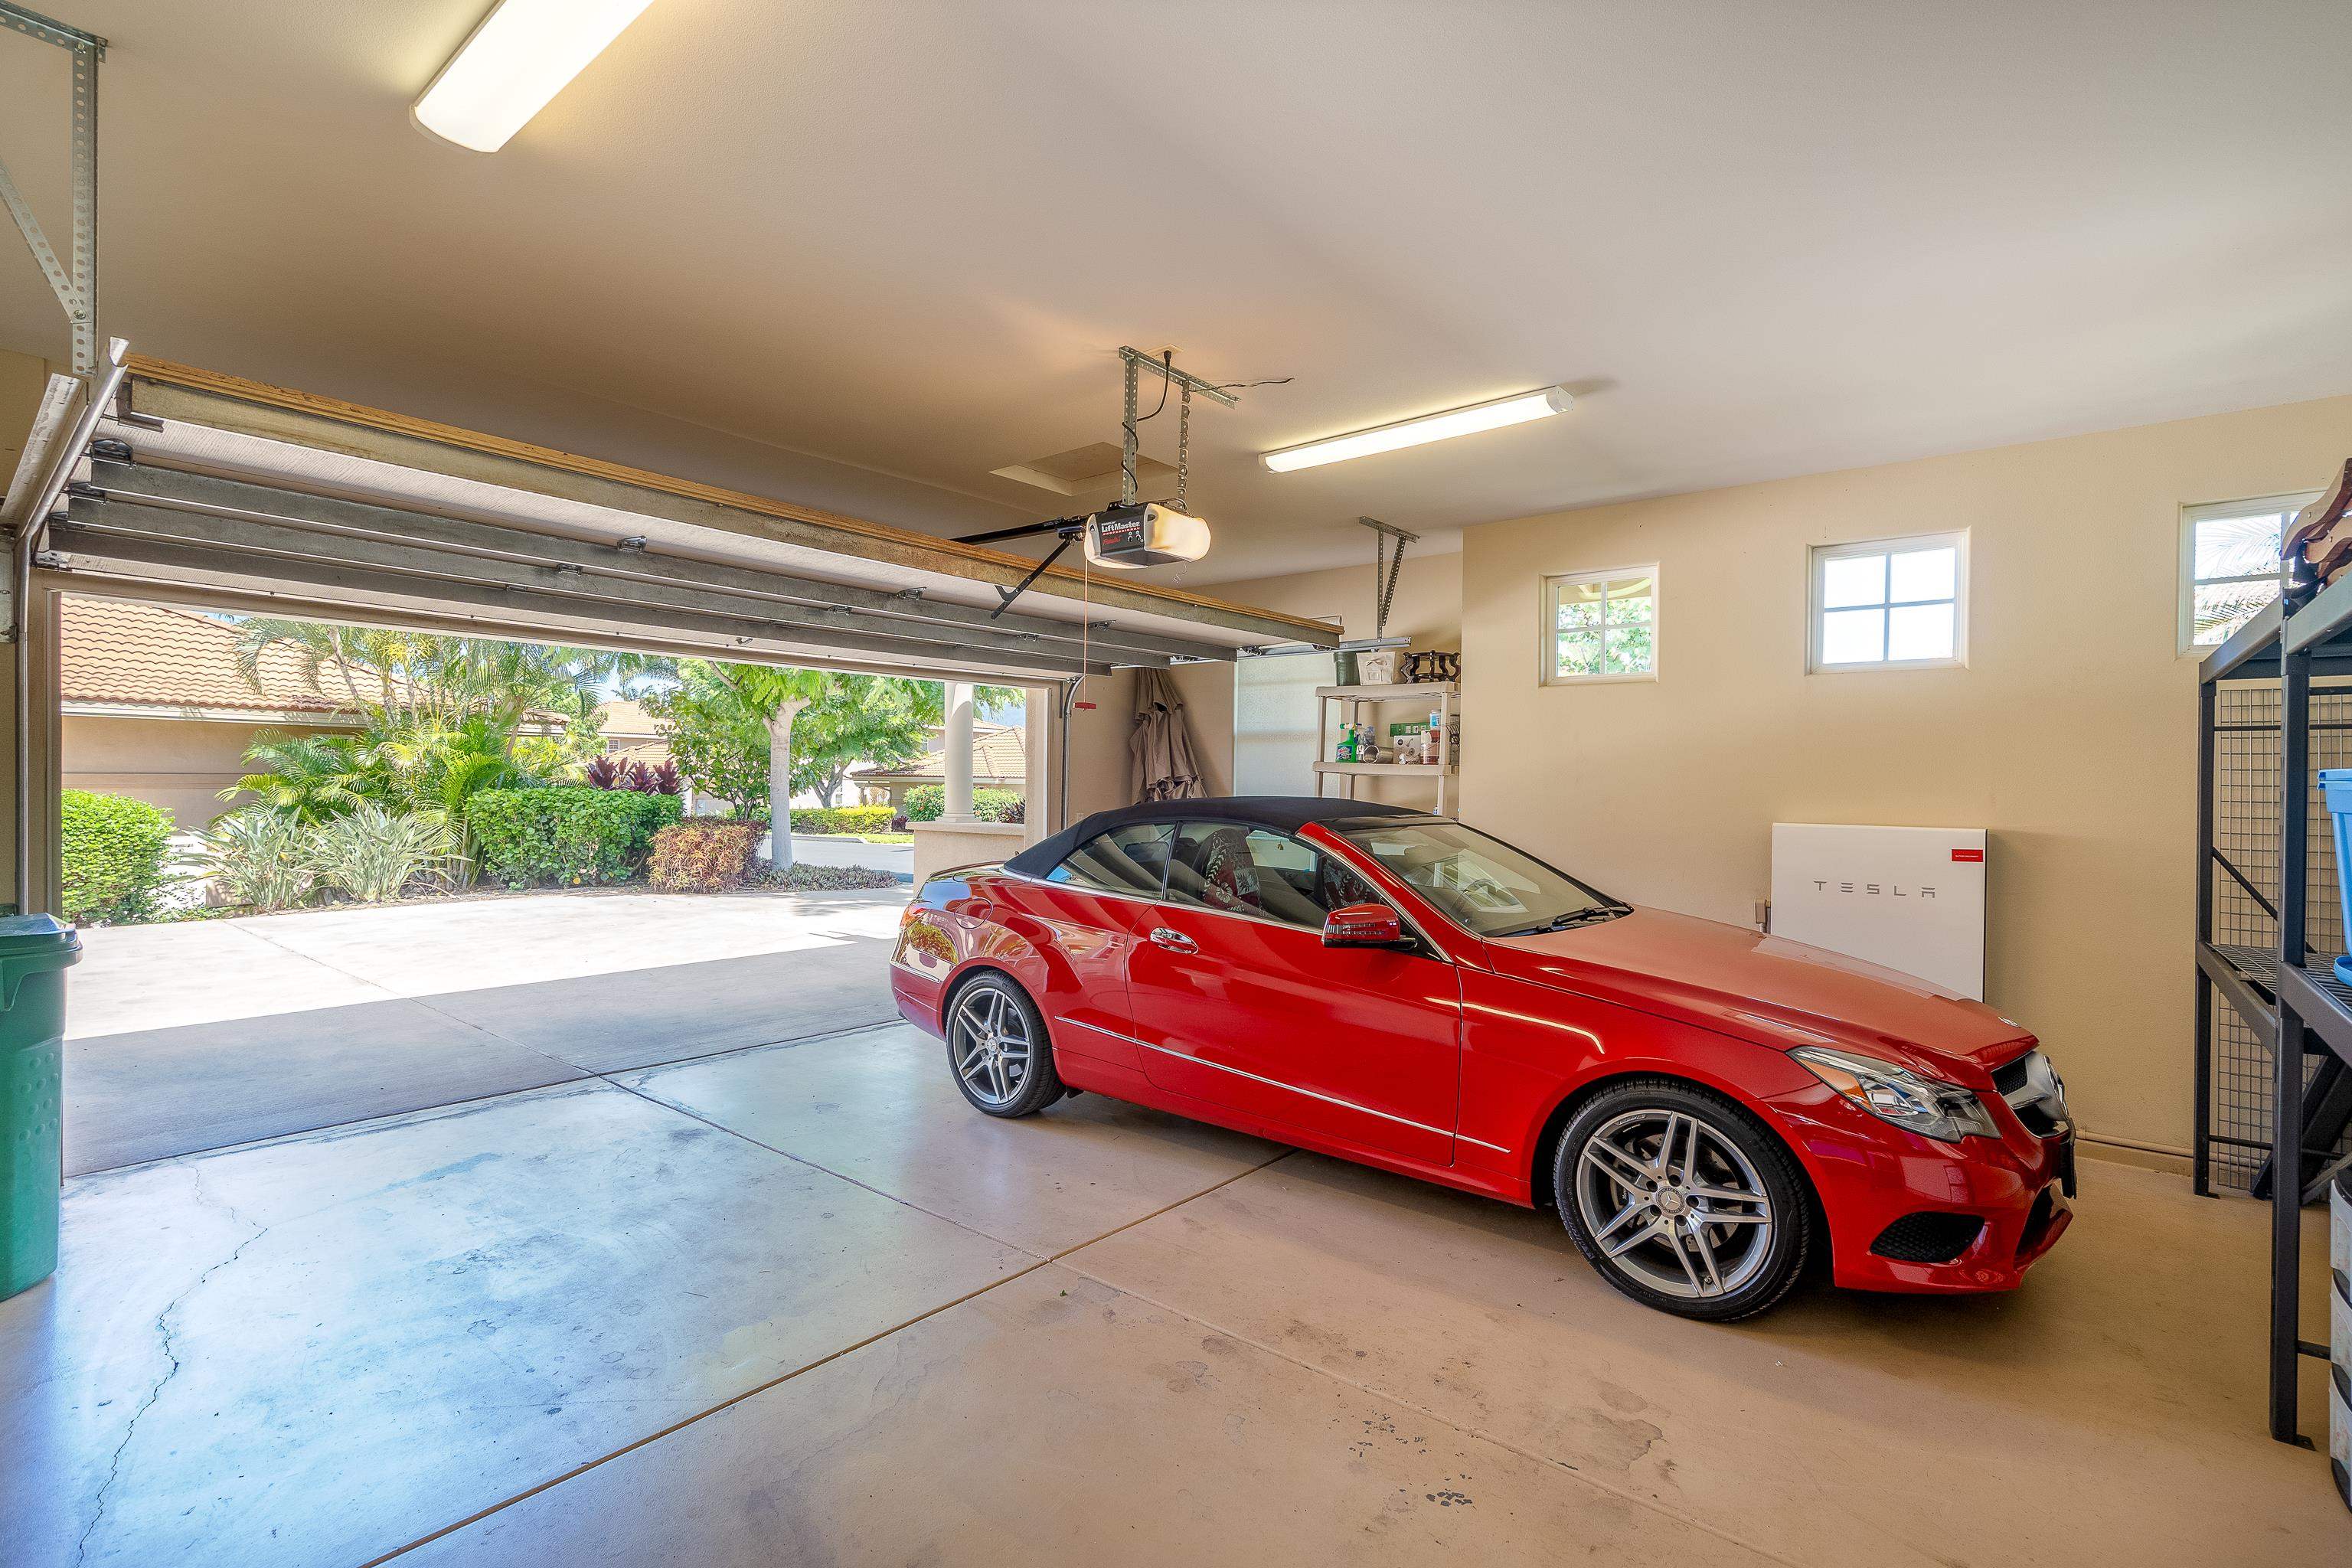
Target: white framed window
column 2230, row 563
column 1891, row 603
column 1601, row 626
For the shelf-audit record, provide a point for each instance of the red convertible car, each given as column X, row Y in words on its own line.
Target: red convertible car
column 1705, row 1106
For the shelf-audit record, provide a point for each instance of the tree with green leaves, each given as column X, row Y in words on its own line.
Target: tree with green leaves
column 720, row 718
column 719, row 743
column 869, row 719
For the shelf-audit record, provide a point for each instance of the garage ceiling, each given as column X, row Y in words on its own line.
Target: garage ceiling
column 864, row 255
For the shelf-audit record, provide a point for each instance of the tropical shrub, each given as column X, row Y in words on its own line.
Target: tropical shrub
column 257, row 859
column 701, row 857
column 841, row 818
column 928, row 802
column 613, row 771
column 114, row 850
column 373, row 854
column 566, row 835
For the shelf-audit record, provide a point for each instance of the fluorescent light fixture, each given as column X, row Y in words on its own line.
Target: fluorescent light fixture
column 1492, row 415
column 524, row 54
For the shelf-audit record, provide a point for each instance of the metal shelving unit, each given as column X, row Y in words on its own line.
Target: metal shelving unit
column 2283, row 992
column 1353, row 700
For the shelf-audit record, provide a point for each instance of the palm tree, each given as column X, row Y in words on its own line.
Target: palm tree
column 308, row 777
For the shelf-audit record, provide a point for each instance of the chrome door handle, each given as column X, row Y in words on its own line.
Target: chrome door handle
column 1173, row 941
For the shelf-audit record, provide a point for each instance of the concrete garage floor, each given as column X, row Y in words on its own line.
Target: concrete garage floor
column 206, row 1034
column 798, row 1304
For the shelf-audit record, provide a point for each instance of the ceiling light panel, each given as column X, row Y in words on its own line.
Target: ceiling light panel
column 524, row 54
column 1490, row 415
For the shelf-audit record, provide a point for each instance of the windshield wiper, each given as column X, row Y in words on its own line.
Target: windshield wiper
column 1592, row 916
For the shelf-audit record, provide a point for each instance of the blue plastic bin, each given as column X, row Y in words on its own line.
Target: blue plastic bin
column 2336, row 783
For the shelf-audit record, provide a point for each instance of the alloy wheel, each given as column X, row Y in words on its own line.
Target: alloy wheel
column 1671, row 1202
column 990, row 1035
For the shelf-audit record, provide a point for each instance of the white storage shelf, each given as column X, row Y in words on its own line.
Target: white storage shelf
column 1429, row 770
column 1443, row 694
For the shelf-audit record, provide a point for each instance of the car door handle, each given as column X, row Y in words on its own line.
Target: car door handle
column 1173, row 941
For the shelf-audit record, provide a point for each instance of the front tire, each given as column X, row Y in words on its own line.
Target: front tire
column 998, row 1048
column 1683, row 1200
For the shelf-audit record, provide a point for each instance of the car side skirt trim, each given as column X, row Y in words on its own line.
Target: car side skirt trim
column 1270, row 1083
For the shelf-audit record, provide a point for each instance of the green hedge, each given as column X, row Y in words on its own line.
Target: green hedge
column 924, row 802
column 842, row 818
column 568, row 837
column 114, row 853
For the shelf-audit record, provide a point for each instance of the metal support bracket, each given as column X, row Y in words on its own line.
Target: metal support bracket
column 1162, row 365
column 1004, row 596
column 75, row 284
column 1385, row 570
column 1137, row 359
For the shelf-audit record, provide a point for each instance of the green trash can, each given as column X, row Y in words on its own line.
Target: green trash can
column 34, row 953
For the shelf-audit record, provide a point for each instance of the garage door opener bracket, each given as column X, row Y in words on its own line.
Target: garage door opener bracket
column 1072, row 528
column 75, row 287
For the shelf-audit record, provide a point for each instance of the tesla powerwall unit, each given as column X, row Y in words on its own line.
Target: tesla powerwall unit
column 1912, row 898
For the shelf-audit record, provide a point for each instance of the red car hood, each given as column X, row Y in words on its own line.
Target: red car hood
column 1768, row 989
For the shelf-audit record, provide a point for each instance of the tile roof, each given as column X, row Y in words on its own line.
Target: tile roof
column 173, row 660
column 183, row 662
column 998, row 752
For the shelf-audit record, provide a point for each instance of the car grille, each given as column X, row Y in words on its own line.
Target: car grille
column 2034, row 1093
column 1928, row 1238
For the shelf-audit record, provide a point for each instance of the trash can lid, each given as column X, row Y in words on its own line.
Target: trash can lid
column 22, row 936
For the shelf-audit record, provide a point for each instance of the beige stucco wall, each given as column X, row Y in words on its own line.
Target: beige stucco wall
column 2071, row 735
column 1427, row 608
column 942, row 845
column 1098, row 744
column 179, row 764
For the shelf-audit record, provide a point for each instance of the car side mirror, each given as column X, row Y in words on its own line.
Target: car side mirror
column 1363, row 925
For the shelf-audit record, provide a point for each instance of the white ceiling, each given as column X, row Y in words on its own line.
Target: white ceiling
column 862, row 255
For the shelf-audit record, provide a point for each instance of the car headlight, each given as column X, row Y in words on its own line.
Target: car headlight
column 1929, row 1107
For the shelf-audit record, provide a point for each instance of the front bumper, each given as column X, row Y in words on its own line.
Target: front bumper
column 1871, row 1174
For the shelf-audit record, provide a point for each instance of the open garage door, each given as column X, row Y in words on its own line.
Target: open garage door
column 256, row 496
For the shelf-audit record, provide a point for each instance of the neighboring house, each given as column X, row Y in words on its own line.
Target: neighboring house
column 1000, row 760
column 155, row 707
column 627, row 727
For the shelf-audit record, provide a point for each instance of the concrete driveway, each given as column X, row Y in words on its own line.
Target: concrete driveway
column 204, row 1034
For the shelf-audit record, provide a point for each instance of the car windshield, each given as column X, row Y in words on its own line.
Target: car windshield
column 1481, row 884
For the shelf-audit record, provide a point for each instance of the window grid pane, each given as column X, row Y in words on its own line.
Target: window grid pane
column 1853, row 580
column 1923, row 577
column 2221, row 608
column 1853, row 636
column 2238, row 547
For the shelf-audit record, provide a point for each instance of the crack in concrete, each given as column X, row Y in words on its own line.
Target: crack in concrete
column 168, row 1336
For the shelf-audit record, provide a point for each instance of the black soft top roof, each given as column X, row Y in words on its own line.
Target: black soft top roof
column 1283, row 812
